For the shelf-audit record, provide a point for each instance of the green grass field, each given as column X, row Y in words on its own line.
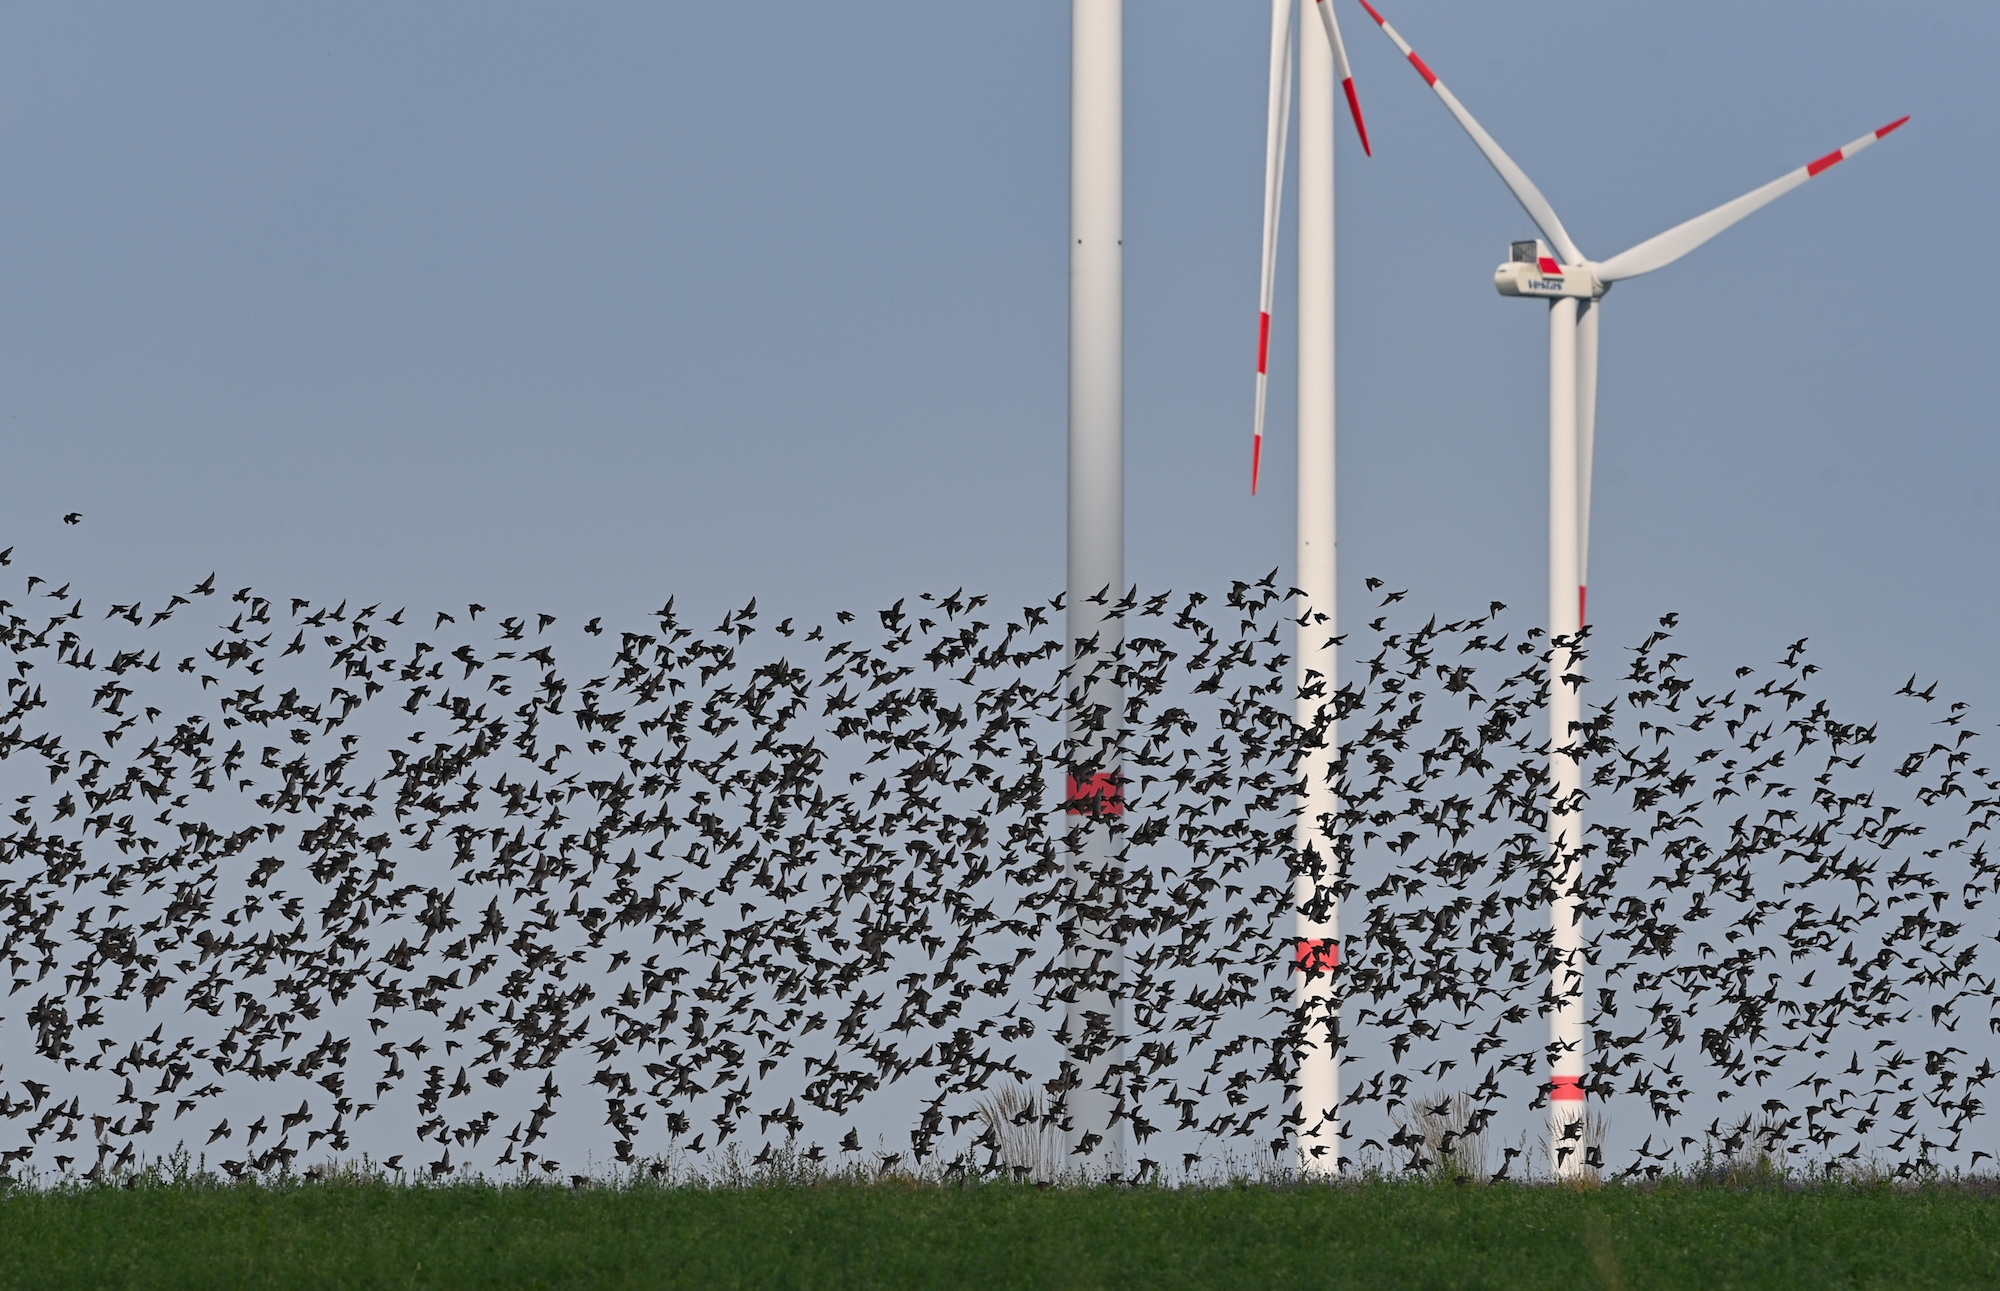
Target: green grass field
column 844, row 1235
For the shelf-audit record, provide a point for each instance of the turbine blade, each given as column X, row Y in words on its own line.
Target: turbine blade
column 1665, row 248
column 1342, row 70
column 1516, row 179
column 1274, row 190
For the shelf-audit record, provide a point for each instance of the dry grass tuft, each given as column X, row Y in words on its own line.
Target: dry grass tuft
column 1023, row 1137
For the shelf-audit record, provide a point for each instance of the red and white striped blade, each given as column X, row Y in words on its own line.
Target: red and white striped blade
column 1516, row 179
column 1274, row 190
column 1665, row 248
column 1342, row 69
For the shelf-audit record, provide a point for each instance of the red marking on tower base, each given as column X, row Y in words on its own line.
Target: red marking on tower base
column 1568, row 1089
column 1582, row 601
column 1318, row 954
column 1098, row 796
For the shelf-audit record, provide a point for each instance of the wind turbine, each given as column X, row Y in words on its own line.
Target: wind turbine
column 1316, row 915
column 1574, row 285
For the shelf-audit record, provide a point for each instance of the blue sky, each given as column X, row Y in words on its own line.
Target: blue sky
column 574, row 310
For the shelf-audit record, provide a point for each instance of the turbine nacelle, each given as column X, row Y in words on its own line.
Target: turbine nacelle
column 1532, row 270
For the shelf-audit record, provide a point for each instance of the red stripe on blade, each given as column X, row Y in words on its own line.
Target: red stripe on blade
column 1354, row 106
column 1827, row 162
column 1256, row 462
column 1893, row 125
column 1263, row 342
column 1568, row 1089
column 1379, row 20
column 1430, row 77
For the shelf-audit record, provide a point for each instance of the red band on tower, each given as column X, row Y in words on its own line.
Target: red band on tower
column 1318, row 954
column 1568, row 1089
column 1098, row 796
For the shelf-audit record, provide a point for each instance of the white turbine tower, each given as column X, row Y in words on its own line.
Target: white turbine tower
column 1317, row 916
column 1574, row 285
column 1094, row 1017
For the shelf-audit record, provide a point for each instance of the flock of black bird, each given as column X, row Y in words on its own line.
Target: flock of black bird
column 776, row 888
